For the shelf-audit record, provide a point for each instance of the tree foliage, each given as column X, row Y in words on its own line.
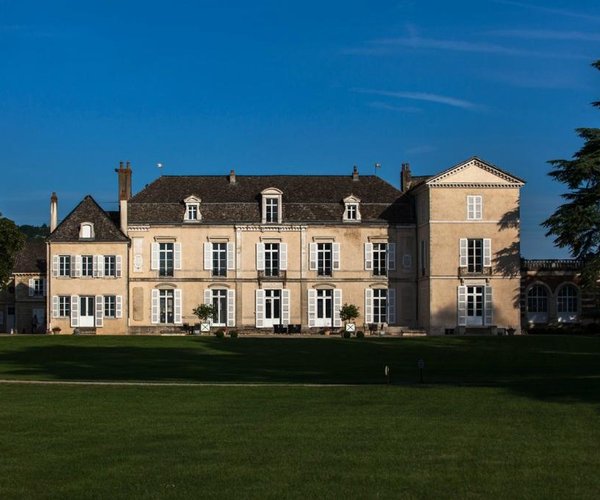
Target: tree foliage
column 348, row 312
column 35, row 232
column 576, row 223
column 204, row 311
column 11, row 241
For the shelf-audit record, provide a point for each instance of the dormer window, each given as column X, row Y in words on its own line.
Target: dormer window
column 271, row 206
column 351, row 209
column 86, row 231
column 192, row 209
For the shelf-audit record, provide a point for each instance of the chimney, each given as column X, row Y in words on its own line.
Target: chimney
column 124, row 193
column 355, row 173
column 232, row 177
column 405, row 180
column 53, row 212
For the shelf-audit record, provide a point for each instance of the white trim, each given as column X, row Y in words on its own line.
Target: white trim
column 368, row 306
column 368, row 256
column 177, row 305
column 337, row 305
column 260, row 308
column 155, row 315
column 312, row 307
column 260, row 256
column 230, row 308
column 99, row 311
column 285, row 306
column 208, row 248
column 283, row 257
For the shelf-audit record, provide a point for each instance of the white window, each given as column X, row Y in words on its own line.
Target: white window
column 87, row 266
column 61, row 306
column 324, row 258
column 271, row 258
column 166, row 257
column 219, row 258
column 567, row 304
column 37, row 287
column 475, row 254
column 380, row 258
column 351, row 209
column 223, row 301
column 110, row 265
column 324, row 308
column 166, row 306
column 64, row 265
column 475, row 306
column 474, row 207
column 271, row 206
column 380, row 305
column 110, row 306
column 192, row 209
column 86, row 230
column 272, row 307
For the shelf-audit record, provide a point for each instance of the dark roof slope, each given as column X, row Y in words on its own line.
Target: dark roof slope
column 32, row 257
column 305, row 198
column 105, row 227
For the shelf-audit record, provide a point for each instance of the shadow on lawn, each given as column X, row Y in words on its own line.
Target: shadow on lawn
column 564, row 369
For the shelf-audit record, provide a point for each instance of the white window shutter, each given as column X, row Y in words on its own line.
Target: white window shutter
column 118, row 266
column 312, row 308
column 74, row 311
column 283, row 257
column 55, row 311
column 487, row 252
column 95, row 266
column 207, row 256
column 463, row 262
column 100, row 266
column 368, row 305
column 177, row 305
column 260, row 308
column 208, row 297
column 31, row 286
column 462, row 305
column 230, row 307
column 260, row 256
column 391, row 306
column 480, row 206
column 119, row 306
column 337, row 305
column 391, row 256
column 336, row 256
column 488, row 306
column 155, row 306
column 99, row 311
column 154, row 259
column 285, row 306
column 312, row 256
column 368, row 256
column 55, row 260
column 230, row 256
column 77, row 267
column 177, row 256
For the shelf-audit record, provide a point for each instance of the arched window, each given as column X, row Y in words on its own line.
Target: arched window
column 86, row 230
column 567, row 304
column 537, row 304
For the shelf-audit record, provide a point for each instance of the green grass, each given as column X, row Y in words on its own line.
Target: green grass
column 507, row 417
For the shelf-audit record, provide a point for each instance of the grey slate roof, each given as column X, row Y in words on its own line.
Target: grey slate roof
column 106, row 226
column 305, row 199
column 32, row 257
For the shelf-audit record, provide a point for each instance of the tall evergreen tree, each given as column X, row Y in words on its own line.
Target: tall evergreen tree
column 576, row 223
column 11, row 241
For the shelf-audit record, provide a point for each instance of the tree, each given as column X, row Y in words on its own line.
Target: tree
column 204, row 311
column 348, row 312
column 11, row 242
column 576, row 223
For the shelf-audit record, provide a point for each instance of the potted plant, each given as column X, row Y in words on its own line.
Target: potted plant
column 203, row 312
column 56, row 330
column 349, row 312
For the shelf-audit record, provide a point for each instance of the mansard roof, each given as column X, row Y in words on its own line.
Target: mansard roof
column 106, row 226
column 31, row 258
column 305, row 198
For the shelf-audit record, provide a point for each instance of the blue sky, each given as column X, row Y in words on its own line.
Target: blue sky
column 290, row 87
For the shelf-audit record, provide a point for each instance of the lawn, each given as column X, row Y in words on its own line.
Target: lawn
column 498, row 417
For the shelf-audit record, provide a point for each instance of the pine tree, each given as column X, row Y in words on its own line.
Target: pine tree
column 576, row 223
column 11, row 241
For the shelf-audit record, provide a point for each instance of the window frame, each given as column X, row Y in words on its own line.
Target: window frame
column 474, row 207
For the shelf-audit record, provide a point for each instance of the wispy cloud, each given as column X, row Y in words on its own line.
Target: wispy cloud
column 385, row 46
column 548, row 35
column 421, row 96
column 551, row 10
column 391, row 107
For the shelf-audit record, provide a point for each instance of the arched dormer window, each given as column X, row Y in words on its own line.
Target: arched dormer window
column 271, row 206
column 351, row 209
column 86, row 231
column 192, row 209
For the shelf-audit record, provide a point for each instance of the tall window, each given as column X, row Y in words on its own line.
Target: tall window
column 37, row 287
column 87, row 265
column 325, row 307
column 567, row 304
column 380, row 259
column 64, row 265
column 271, row 259
column 219, row 259
column 272, row 210
column 474, row 207
column 165, row 259
column 537, row 299
column 324, row 259
column 192, row 209
column 110, row 306
column 110, row 265
column 273, row 306
column 64, row 306
column 166, row 302
column 380, row 314
column 475, row 255
column 191, row 212
column 219, row 303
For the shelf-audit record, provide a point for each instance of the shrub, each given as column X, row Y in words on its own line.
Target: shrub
column 233, row 334
column 360, row 334
column 346, row 334
column 220, row 333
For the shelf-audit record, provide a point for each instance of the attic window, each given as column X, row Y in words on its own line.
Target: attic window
column 192, row 209
column 271, row 206
column 86, row 231
column 351, row 209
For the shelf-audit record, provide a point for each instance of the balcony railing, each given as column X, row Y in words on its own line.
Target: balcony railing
column 276, row 275
column 550, row 264
column 485, row 271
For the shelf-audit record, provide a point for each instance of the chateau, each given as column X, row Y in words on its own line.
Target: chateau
column 440, row 254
